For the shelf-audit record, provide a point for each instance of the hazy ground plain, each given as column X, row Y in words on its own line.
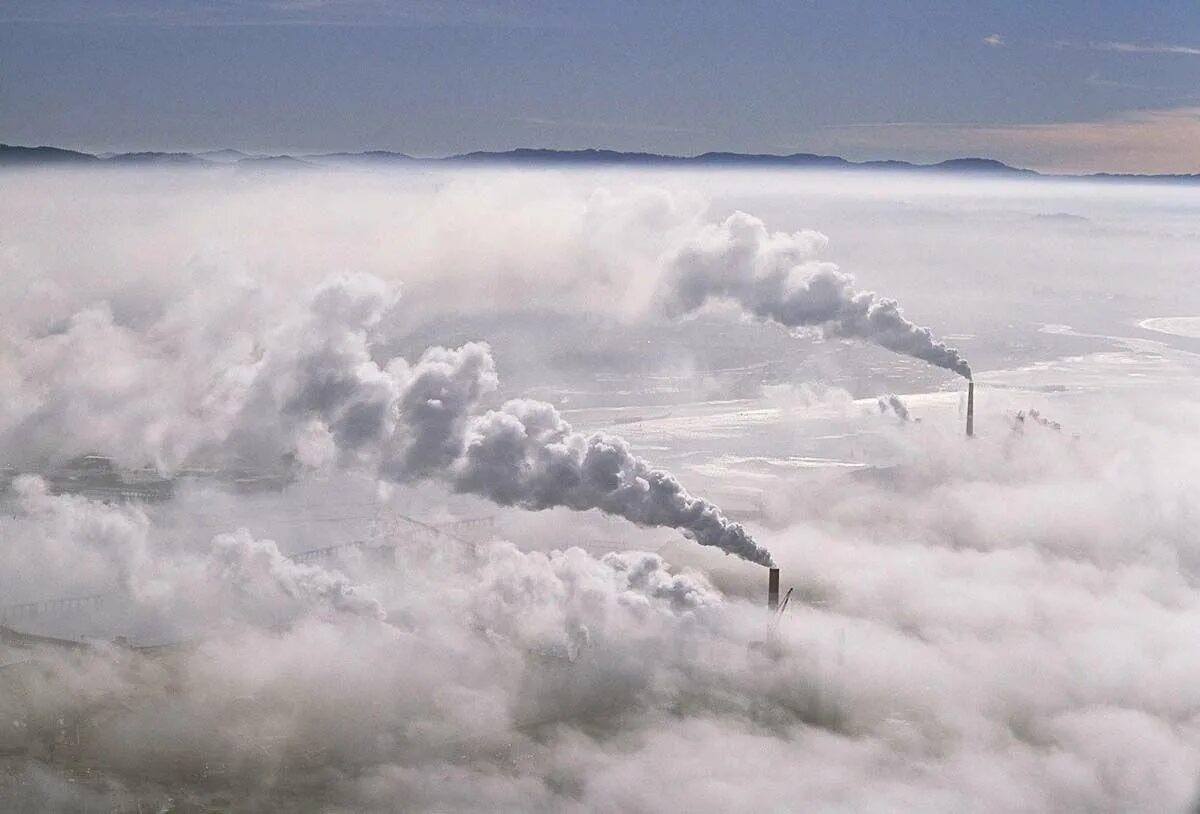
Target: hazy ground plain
column 1001, row 624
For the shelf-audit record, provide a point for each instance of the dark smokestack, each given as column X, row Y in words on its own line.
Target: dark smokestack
column 773, row 590
column 970, row 407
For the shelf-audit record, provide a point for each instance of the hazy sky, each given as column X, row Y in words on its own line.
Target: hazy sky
column 1074, row 85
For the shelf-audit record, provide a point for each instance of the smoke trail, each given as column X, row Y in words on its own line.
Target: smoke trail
column 892, row 402
column 775, row 276
column 1045, row 422
column 422, row 421
column 525, row 454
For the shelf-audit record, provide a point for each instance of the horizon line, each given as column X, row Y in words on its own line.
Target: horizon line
column 834, row 161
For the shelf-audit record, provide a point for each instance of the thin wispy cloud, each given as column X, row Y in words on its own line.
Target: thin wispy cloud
column 1099, row 81
column 995, row 41
column 1146, row 48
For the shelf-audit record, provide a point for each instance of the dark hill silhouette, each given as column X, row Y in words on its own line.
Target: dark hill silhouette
column 988, row 165
column 527, row 156
column 368, row 157
column 177, row 159
column 767, row 159
column 544, row 156
column 225, row 156
column 272, row 162
column 10, row 154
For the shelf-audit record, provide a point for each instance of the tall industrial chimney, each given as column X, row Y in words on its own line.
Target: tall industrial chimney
column 773, row 590
column 970, row 407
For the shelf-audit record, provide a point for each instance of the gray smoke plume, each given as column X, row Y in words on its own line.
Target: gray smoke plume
column 526, row 455
column 892, row 402
column 1045, row 422
column 421, row 421
column 775, row 276
column 1037, row 418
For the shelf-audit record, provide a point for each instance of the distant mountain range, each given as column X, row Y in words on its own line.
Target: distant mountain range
column 54, row 156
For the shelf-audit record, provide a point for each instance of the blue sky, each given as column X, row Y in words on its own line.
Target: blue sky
column 1065, row 85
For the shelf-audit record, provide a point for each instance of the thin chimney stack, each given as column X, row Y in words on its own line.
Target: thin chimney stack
column 773, row 590
column 970, row 407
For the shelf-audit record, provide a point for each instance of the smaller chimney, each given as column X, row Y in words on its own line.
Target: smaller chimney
column 773, row 590
column 970, row 407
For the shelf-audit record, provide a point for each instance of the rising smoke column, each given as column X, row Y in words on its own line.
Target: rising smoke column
column 775, row 276
column 320, row 391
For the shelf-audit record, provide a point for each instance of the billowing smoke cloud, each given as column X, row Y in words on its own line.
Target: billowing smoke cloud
column 776, row 276
column 304, row 700
column 411, row 422
column 72, row 545
column 258, row 572
column 308, row 390
column 893, row 403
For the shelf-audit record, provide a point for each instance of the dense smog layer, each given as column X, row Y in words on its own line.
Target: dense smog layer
column 345, row 489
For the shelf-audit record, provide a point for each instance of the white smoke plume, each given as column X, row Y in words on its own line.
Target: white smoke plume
column 257, row 571
column 777, row 276
column 72, row 545
column 66, row 545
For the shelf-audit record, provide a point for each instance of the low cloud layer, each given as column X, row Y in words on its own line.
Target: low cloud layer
column 1001, row 624
column 562, row 681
